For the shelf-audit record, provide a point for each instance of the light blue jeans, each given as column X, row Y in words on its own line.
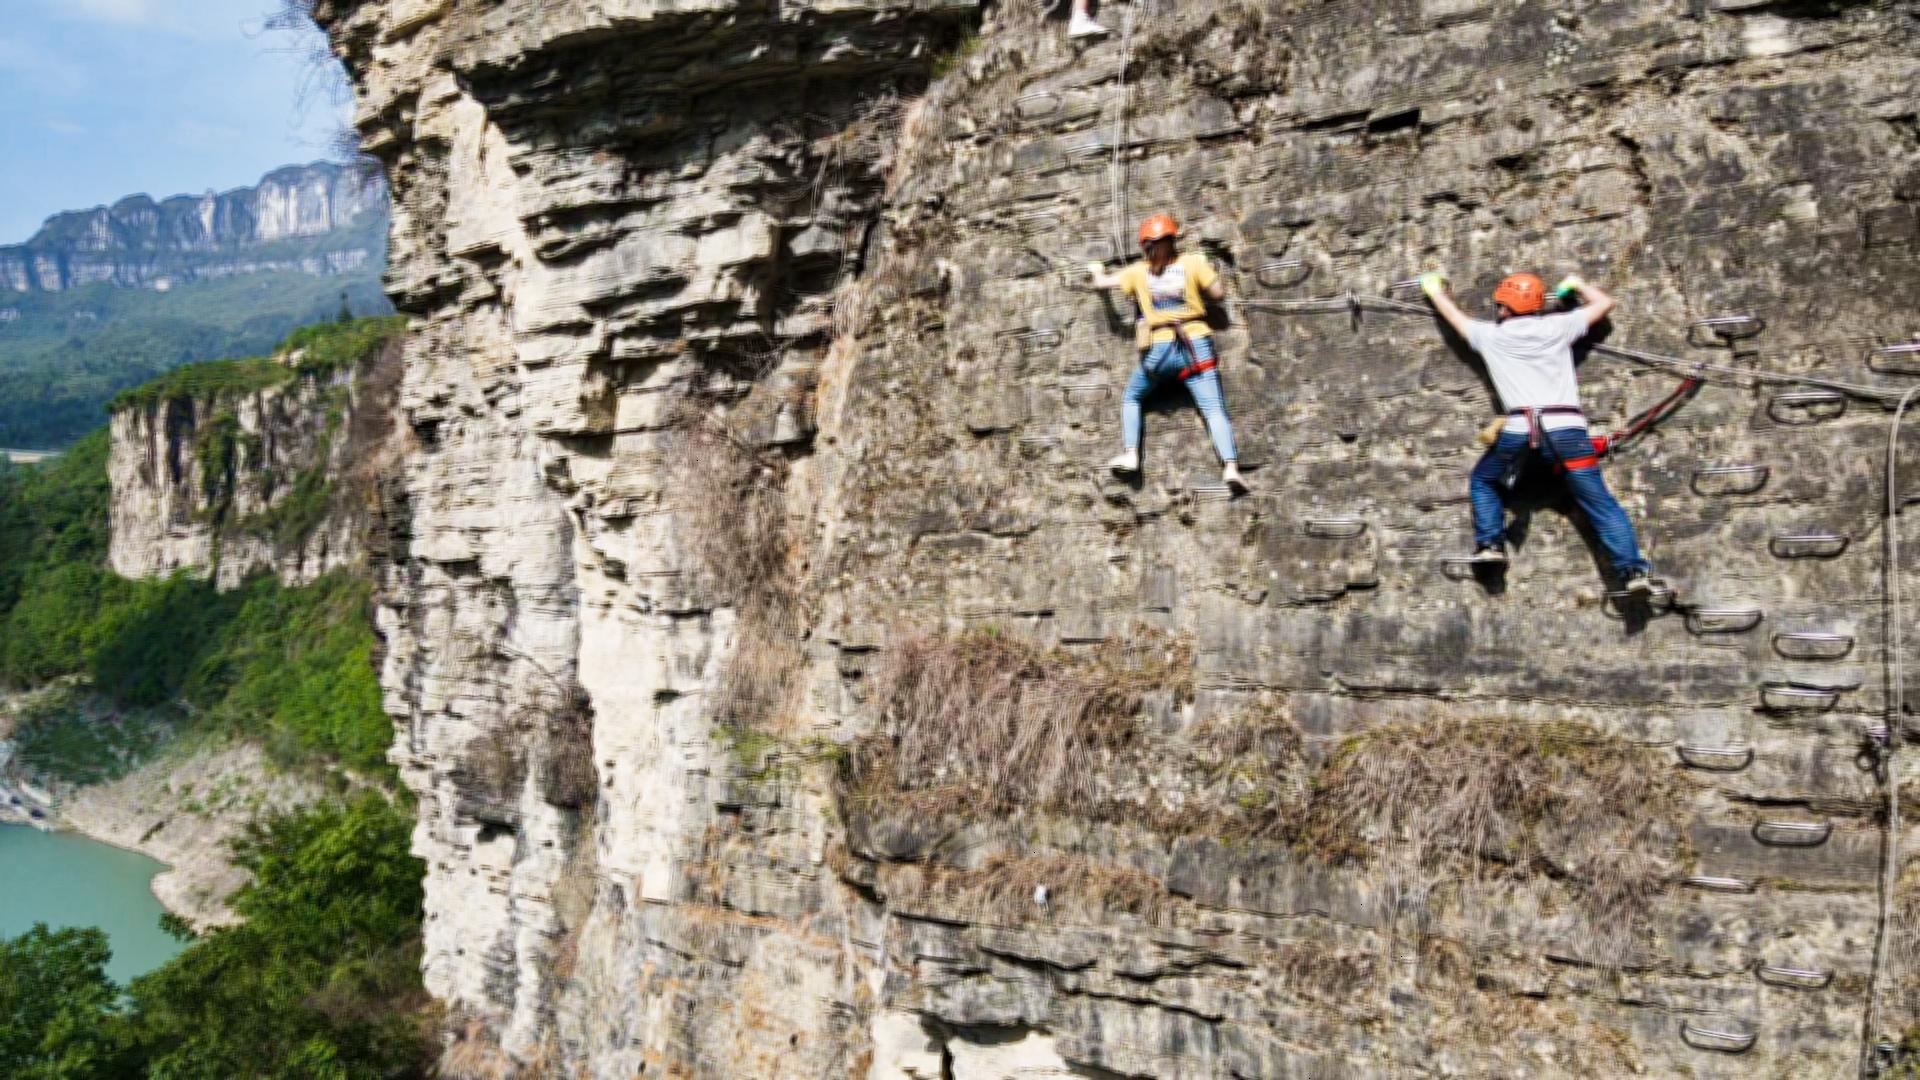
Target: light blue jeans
column 1164, row 361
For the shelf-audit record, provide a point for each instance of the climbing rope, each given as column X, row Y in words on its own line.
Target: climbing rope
column 1358, row 302
column 1120, row 133
column 1896, row 694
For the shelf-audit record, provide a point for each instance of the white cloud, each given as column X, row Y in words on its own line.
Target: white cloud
column 63, row 127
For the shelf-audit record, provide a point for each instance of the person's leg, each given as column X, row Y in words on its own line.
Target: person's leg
column 1212, row 403
column 1609, row 519
column 1139, row 385
column 1489, row 501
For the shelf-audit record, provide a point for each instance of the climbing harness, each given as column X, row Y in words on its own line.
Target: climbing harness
column 1195, row 365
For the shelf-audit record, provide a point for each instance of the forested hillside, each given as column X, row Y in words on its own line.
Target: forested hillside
column 321, row 979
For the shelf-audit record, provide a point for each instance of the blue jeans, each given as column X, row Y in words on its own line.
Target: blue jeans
column 1589, row 490
column 1164, row 361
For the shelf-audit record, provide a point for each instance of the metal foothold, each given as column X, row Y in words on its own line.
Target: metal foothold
column 1801, row 978
column 1716, row 758
column 1807, row 545
column 1779, row 698
column 1727, row 1041
column 1723, row 620
column 1728, row 328
column 1720, row 884
column 1812, row 645
column 1899, row 359
column 1336, row 528
column 1792, row 833
column 1282, row 274
column 1730, row 479
column 1807, row 406
column 1039, row 105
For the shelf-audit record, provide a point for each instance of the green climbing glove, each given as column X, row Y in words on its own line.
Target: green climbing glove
column 1432, row 283
column 1569, row 286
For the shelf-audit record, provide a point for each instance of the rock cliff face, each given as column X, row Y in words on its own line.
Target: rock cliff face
column 277, row 473
column 320, row 218
column 758, row 425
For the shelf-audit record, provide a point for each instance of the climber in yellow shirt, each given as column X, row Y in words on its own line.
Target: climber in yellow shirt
column 1174, row 340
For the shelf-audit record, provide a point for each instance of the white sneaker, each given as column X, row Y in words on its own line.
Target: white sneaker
column 1231, row 476
column 1081, row 26
column 1127, row 462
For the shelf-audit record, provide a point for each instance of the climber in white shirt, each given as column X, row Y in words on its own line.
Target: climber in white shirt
column 1529, row 356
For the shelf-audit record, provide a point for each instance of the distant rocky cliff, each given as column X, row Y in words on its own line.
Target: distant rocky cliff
column 273, row 464
column 321, row 218
column 790, row 692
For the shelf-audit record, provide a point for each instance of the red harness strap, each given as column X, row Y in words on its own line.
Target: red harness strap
column 1198, row 366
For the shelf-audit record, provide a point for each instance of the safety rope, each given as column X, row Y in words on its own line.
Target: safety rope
column 1357, row 302
column 1121, row 123
column 1896, row 694
column 1647, row 418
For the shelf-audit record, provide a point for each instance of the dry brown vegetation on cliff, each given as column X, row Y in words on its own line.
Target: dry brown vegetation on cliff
column 982, row 727
column 994, row 722
column 1477, row 799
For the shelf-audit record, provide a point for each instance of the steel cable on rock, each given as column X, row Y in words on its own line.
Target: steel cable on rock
column 1121, row 122
column 1896, row 702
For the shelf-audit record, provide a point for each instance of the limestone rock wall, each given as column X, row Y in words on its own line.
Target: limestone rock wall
column 284, row 479
column 740, row 362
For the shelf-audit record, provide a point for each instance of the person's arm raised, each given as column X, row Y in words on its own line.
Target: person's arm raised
column 1595, row 304
column 1435, row 286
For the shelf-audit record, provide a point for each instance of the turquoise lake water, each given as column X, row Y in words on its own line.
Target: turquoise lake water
column 63, row 879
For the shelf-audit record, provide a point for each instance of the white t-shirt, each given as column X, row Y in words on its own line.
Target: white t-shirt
column 1531, row 361
column 1168, row 287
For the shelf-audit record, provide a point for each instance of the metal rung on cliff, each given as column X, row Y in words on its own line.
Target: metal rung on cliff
column 1812, row 645
column 1728, row 328
column 1707, row 883
column 1900, row 359
column 1785, row 697
column 1336, row 528
column 1715, row 758
column 1282, row 274
column 1807, row 545
column 1727, row 1040
column 1798, row 978
column 1792, row 833
column 1730, row 479
column 1813, row 406
column 1723, row 620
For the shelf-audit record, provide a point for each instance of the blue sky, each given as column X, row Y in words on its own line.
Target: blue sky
column 105, row 98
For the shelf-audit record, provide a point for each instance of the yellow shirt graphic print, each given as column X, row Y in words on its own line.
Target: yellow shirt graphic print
column 1172, row 296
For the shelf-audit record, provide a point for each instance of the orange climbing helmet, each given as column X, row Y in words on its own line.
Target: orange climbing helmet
column 1158, row 227
column 1523, row 294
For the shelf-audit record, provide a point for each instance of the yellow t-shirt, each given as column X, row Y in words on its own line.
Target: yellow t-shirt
column 1172, row 296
